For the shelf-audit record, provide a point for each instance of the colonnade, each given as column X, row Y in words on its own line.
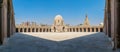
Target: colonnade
column 33, row 29
column 112, row 22
column 68, row 30
column 7, row 22
column 85, row 29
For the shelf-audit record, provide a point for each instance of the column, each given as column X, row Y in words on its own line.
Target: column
column 98, row 29
column 30, row 29
column 90, row 29
column 48, row 30
column 18, row 29
column 75, row 30
column 113, row 22
column 3, row 21
column 22, row 29
column 45, row 29
column 42, row 29
column 82, row 29
column 78, row 29
column 94, row 29
column 86, row 29
column 34, row 29
column 71, row 29
column 38, row 29
column 26, row 29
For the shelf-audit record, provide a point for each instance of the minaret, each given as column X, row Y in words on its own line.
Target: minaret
column 86, row 22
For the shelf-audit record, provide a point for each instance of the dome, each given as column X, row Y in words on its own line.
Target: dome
column 58, row 17
column 101, row 24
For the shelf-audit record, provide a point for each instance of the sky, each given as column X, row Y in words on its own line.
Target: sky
column 72, row 11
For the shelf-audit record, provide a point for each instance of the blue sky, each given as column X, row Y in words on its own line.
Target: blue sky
column 72, row 11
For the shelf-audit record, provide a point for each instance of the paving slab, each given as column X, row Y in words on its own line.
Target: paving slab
column 58, row 42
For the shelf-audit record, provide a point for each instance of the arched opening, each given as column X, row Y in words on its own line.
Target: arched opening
column 33, row 30
column 47, row 30
column 88, row 29
column 92, row 29
column 50, row 30
column 36, row 29
column 40, row 29
column 54, row 29
column 63, row 29
column 73, row 29
column 16, row 29
column 70, row 30
column 77, row 29
column 25, row 30
column 20, row 29
column 84, row 29
column 43, row 29
column 28, row 29
column 101, row 29
column 96, row 29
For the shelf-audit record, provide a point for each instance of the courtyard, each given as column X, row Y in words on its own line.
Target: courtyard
column 57, row 42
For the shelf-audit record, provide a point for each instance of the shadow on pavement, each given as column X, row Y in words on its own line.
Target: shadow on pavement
column 20, row 42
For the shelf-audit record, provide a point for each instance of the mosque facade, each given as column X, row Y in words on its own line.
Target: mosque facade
column 58, row 26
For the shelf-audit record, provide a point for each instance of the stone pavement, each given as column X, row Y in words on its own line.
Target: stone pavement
column 57, row 42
